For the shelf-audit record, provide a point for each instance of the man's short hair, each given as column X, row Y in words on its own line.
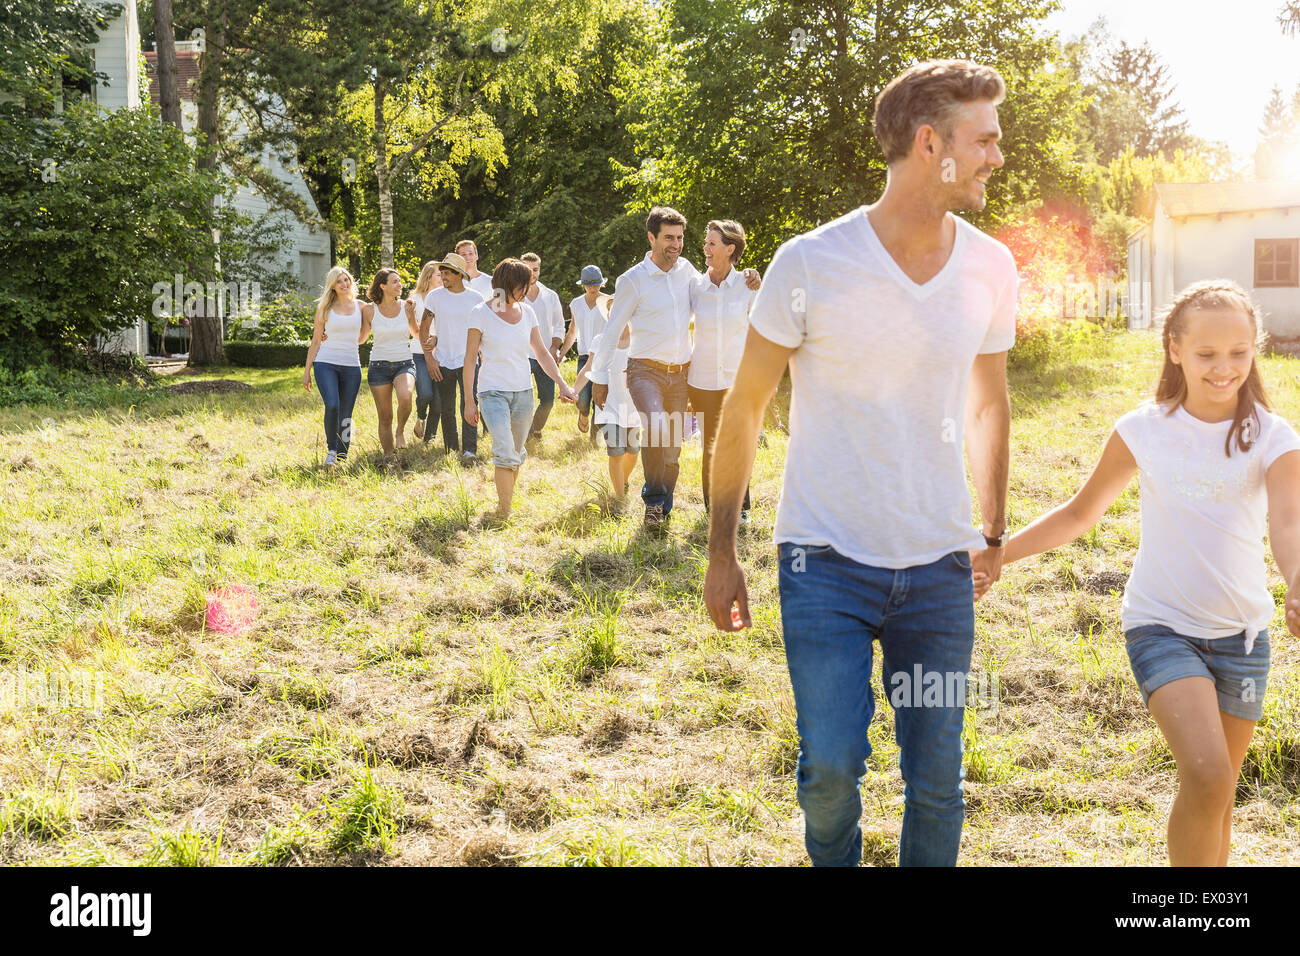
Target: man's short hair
column 928, row 94
column 466, row 242
column 663, row 216
column 531, row 257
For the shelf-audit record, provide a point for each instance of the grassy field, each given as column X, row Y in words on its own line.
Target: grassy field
column 418, row 689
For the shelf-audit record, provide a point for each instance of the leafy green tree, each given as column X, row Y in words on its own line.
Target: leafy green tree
column 762, row 111
column 43, row 44
column 106, row 206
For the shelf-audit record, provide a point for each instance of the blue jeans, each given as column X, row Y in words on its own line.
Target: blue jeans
column 660, row 398
column 508, row 415
column 832, row 610
column 339, row 385
column 426, row 397
column 545, row 396
column 584, row 395
column 452, row 381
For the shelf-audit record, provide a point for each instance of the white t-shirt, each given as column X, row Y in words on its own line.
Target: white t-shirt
column 340, row 346
column 619, row 408
column 392, row 336
column 721, row 324
column 1200, row 563
column 450, row 317
column 550, row 314
column 506, row 349
column 482, row 284
column 874, row 466
column 590, row 322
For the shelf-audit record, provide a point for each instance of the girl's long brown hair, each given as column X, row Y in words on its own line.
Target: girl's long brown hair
column 1171, row 390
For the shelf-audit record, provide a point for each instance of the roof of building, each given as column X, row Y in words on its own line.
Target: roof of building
column 1212, row 199
column 187, row 74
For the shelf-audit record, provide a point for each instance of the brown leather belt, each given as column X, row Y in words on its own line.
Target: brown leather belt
column 662, row 366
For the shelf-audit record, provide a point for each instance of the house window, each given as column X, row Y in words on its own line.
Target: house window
column 1277, row 262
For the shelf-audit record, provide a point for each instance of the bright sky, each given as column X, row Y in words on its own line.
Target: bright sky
column 1225, row 57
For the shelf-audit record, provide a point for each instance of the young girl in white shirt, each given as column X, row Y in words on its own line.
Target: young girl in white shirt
column 1214, row 462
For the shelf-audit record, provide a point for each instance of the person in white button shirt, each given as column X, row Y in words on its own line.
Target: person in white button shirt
column 480, row 282
column 1218, row 469
column 550, row 322
column 588, row 313
column 653, row 299
column 721, row 302
column 895, row 320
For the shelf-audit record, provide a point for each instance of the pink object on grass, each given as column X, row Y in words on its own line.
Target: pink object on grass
column 231, row 609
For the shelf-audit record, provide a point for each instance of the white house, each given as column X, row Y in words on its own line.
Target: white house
column 1248, row 232
column 117, row 54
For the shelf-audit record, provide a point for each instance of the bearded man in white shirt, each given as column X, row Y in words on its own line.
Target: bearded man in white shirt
column 895, row 320
column 653, row 299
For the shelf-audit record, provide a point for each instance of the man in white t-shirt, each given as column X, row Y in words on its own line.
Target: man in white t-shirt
column 550, row 322
column 895, row 320
column 446, row 316
column 480, row 282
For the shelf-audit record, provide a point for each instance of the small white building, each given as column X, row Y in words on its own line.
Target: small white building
column 117, row 54
column 1248, row 232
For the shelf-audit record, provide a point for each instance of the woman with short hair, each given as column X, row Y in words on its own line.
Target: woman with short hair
column 505, row 339
column 721, row 302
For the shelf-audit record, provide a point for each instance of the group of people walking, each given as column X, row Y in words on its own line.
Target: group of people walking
column 493, row 338
column 894, row 321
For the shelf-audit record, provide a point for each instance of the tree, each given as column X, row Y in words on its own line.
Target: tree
column 762, row 110
column 1138, row 72
column 169, row 100
column 118, row 205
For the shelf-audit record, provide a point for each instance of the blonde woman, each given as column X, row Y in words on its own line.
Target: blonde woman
column 426, row 396
column 392, row 367
column 341, row 326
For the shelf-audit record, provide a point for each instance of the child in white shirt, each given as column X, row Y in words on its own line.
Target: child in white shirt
column 1214, row 463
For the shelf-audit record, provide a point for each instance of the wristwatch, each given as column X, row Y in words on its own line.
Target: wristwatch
column 1000, row 541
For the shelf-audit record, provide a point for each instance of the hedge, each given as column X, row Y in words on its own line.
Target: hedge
column 275, row 354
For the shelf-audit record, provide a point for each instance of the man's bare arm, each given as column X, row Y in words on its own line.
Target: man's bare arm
column 988, row 445
column 760, row 373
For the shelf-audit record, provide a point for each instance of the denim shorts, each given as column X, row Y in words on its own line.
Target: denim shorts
column 619, row 440
column 384, row 373
column 1159, row 655
column 508, row 416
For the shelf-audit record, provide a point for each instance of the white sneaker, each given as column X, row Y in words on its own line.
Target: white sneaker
column 468, row 456
column 331, row 458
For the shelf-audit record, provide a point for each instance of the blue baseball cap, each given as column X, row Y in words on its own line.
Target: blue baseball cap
column 591, row 275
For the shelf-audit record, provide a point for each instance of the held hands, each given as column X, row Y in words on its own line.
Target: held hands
column 986, row 568
column 1293, row 610
column 567, row 394
column 725, row 594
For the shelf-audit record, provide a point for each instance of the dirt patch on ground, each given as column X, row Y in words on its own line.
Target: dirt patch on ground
column 212, row 386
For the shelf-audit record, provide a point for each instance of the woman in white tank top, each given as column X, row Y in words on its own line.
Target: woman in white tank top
column 391, row 368
column 342, row 324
